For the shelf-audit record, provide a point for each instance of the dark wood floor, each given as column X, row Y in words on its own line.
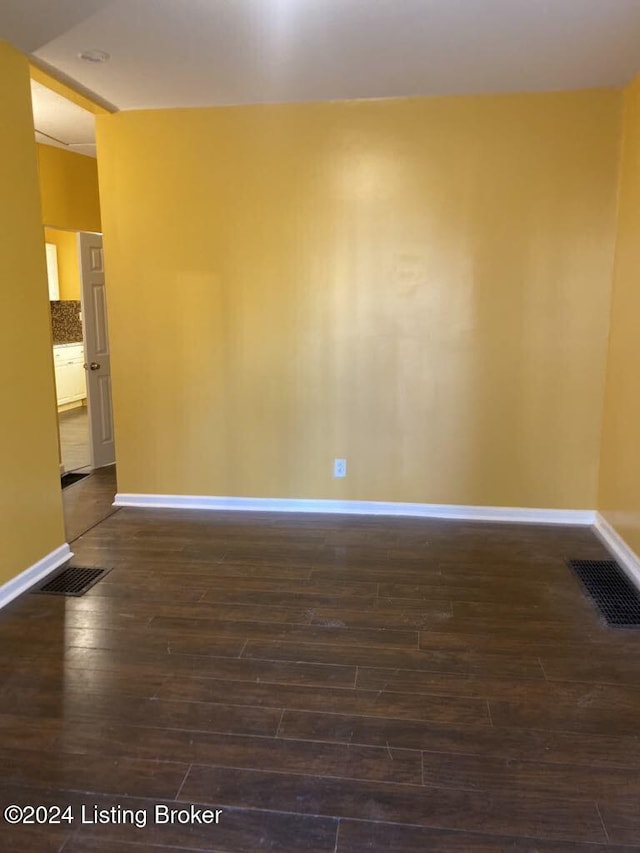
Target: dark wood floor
column 330, row 683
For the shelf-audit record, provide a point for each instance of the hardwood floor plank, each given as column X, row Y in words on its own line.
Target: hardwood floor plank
column 223, row 749
column 125, row 683
column 327, row 597
column 488, row 741
column 230, row 668
column 480, row 773
column 517, row 628
column 148, row 593
column 490, row 590
column 380, row 573
column 190, row 716
column 147, row 640
column 526, row 690
column 433, row 613
column 343, row 589
column 434, row 807
column 211, row 618
column 336, row 700
column 366, row 837
column 70, row 772
column 542, row 645
column 408, row 605
column 210, row 573
column 465, row 662
column 597, row 667
column 294, row 633
column 550, row 610
column 596, row 713
column 15, row 733
column 300, row 555
column 150, row 713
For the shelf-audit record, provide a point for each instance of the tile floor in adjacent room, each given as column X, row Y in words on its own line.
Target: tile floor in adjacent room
column 330, row 683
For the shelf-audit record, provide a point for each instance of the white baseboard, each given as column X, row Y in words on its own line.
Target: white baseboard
column 29, row 577
column 627, row 558
column 468, row 513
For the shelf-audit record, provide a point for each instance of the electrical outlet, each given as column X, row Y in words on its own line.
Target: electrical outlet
column 339, row 467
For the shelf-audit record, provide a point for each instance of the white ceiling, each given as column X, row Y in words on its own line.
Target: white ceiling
column 60, row 123
column 177, row 53
column 29, row 24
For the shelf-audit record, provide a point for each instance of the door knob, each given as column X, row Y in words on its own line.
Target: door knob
column 94, row 365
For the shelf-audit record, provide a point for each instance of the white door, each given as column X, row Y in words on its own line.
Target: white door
column 96, row 350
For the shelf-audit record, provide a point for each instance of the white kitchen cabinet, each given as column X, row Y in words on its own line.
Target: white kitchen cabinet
column 52, row 271
column 71, row 380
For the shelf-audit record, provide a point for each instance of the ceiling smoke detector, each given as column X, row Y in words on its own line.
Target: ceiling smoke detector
column 95, row 56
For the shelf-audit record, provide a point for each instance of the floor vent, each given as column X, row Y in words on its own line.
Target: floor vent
column 70, row 479
column 73, row 580
column 616, row 597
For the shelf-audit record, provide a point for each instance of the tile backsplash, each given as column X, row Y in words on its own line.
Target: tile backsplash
column 65, row 321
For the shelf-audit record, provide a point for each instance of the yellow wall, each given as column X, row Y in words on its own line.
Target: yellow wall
column 68, row 189
column 30, row 499
column 421, row 286
column 619, row 499
column 68, row 261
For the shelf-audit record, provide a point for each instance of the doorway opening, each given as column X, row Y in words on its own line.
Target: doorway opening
column 80, row 350
column 64, row 129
